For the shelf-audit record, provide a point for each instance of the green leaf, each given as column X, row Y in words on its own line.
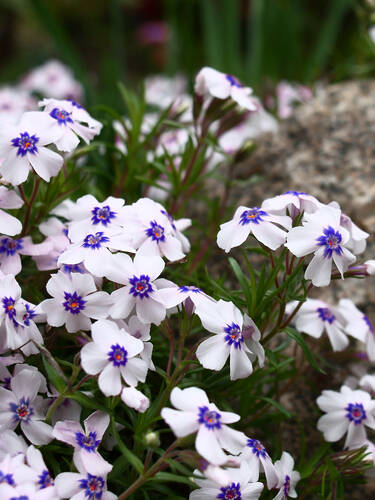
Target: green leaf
column 277, row 406
column 55, row 379
column 243, row 281
column 132, row 459
column 169, row 477
column 291, row 332
column 87, row 402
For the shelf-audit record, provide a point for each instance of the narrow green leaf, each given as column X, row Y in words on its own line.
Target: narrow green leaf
column 291, row 332
column 53, row 377
column 132, row 459
column 277, row 406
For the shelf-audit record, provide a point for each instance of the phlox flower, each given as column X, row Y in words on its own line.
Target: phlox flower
column 135, row 399
column 26, row 491
column 140, row 331
column 322, row 235
column 141, row 290
column 23, row 146
column 13, row 103
column 190, row 295
column 94, row 249
column 226, row 321
column 357, row 240
column 37, row 472
column 370, row 267
column 196, row 414
column 255, row 458
column 254, row 221
column 11, row 469
column 11, row 249
column 288, row 95
column 210, row 82
column 75, row 301
column 56, row 235
column 22, row 405
column 288, row 478
column 293, row 201
column 358, row 325
column 70, row 117
column 12, row 444
column 347, row 411
column 82, row 485
column 8, row 223
column 237, row 488
column 85, row 441
column 151, row 230
column 162, row 90
column 53, row 79
column 113, row 354
column 316, row 316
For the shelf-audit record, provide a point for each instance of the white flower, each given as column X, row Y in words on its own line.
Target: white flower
column 196, row 414
column 8, row 223
column 357, row 241
column 56, row 233
column 226, row 321
column 322, row 235
column 75, row 301
column 23, row 146
column 347, row 411
column 135, row 399
column 190, row 295
column 70, row 117
column 140, row 331
column 113, row 354
column 255, row 458
column 13, row 103
column 370, row 267
column 288, row 95
column 141, row 290
column 11, row 249
column 288, row 478
column 162, row 90
column 22, row 405
column 12, row 470
column 358, row 325
column 53, row 79
column 152, row 231
column 238, row 487
column 293, row 201
column 12, row 444
column 256, row 221
column 211, row 82
column 85, row 442
column 38, row 472
column 316, row 316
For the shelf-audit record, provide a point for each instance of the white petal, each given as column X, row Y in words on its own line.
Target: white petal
column 110, row 380
column 240, row 364
column 319, row 269
column 213, row 352
column 182, row 423
column 207, row 445
column 46, row 163
column 93, row 359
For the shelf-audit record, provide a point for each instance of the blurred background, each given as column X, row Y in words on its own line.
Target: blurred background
column 260, row 41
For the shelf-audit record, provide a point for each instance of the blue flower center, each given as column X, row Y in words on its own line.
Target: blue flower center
column 6, row 478
column 10, row 247
column 231, row 492
column 25, row 143
column 94, row 241
column 102, row 215
column 210, row 418
column 22, row 411
column 234, row 81
column 141, row 287
column 22, row 497
column 233, row 335
column 73, row 268
column 257, row 448
column 155, row 232
column 325, row 314
column 28, row 315
column 286, row 485
column 366, row 319
column 295, row 193
column 8, row 305
column 87, row 442
column 73, row 303
column 62, row 116
column 93, row 486
column 118, row 355
column 253, row 215
column 45, row 480
column 356, row 413
column 330, row 240
column 186, row 289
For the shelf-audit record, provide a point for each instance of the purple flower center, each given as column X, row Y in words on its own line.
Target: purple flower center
column 6, row 478
column 9, row 246
column 233, row 335
column 62, row 116
column 286, row 485
column 155, row 232
column 25, row 143
column 73, row 268
column 234, row 81
column 94, row 241
column 187, row 289
column 257, row 448
column 22, row 411
column 22, row 497
column 102, row 215
column 45, row 480
column 210, row 418
column 325, row 314
column 28, row 315
column 231, row 492
column 141, row 287
column 356, row 413
column 330, row 240
column 93, row 486
column 87, row 442
column 118, row 355
column 366, row 319
column 253, row 215
column 8, row 305
column 73, row 303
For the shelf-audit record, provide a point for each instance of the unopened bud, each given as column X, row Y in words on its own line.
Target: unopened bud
column 151, row 439
column 370, row 267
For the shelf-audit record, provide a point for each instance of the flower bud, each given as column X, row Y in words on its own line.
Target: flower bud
column 370, row 267
column 151, row 439
column 135, row 399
